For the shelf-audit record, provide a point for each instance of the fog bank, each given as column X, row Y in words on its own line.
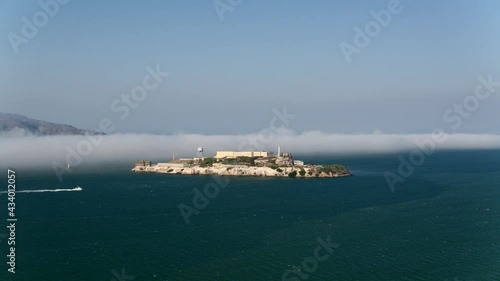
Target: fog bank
column 31, row 151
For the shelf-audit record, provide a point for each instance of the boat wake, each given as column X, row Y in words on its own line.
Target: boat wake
column 46, row 190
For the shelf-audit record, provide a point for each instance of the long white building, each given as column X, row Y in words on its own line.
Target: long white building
column 234, row 154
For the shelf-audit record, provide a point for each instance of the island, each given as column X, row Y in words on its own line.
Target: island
column 243, row 163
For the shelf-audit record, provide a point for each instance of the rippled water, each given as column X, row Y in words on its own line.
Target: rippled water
column 442, row 223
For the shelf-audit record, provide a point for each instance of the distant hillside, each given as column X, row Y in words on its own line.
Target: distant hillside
column 19, row 125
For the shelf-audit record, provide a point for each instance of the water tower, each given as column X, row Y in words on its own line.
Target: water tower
column 199, row 154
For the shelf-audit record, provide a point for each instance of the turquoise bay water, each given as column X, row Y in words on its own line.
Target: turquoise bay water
column 442, row 223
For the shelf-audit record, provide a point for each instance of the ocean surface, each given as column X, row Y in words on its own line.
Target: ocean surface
column 442, row 223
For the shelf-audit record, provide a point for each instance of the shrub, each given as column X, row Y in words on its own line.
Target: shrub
column 333, row 169
column 242, row 160
column 302, row 172
column 279, row 170
column 274, row 166
column 207, row 162
column 246, row 160
column 169, row 170
column 293, row 174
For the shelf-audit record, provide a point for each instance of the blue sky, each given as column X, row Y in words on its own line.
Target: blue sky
column 227, row 76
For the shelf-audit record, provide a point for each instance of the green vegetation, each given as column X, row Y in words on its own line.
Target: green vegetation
column 302, row 172
column 274, row 166
column 333, row 169
column 248, row 161
column 207, row 162
column 279, row 170
column 292, row 174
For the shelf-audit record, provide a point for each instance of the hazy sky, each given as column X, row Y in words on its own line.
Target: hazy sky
column 226, row 76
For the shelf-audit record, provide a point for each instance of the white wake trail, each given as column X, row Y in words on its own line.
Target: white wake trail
column 45, row 190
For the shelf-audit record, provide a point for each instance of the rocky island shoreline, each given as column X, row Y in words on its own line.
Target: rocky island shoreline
column 255, row 164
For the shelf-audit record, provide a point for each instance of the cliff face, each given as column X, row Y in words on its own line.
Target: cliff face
column 310, row 171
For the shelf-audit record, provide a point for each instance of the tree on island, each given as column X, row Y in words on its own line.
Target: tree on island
column 302, row 172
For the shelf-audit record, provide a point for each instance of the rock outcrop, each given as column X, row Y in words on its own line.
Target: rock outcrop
column 308, row 171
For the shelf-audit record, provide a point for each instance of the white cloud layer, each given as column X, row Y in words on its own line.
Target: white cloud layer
column 31, row 151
